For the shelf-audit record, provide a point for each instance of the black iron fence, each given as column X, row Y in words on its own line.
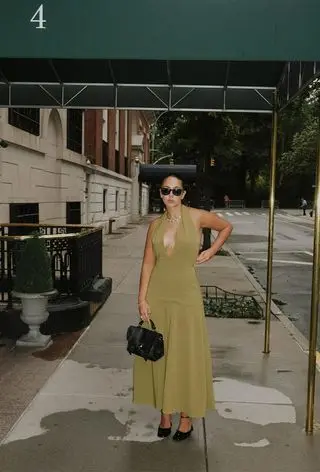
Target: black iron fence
column 75, row 252
column 220, row 303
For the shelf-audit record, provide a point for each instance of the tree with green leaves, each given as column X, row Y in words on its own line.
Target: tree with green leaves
column 238, row 144
column 299, row 133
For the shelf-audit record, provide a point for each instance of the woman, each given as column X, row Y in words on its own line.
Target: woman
column 170, row 295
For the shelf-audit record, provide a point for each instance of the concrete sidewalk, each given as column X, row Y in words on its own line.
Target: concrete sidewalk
column 83, row 420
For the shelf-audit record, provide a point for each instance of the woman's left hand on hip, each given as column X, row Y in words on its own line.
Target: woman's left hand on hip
column 205, row 256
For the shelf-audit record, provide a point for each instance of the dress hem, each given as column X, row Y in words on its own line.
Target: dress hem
column 175, row 410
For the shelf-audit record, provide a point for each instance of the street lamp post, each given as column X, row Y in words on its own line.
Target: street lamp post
column 163, row 157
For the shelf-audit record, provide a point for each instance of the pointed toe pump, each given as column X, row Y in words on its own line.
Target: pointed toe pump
column 180, row 435
column 164, row 432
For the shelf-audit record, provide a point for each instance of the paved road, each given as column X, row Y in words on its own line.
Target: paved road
column 293, row 249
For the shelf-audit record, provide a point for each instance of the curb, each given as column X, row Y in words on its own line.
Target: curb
column 297, row 336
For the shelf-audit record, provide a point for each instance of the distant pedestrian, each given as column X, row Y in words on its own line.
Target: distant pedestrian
column 304, row 205
column 226, row 201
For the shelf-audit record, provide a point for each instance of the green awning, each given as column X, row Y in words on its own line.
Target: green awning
column 218, row 55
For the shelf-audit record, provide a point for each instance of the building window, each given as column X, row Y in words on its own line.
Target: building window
column 105, row 200
column 126, row 166
column 73, row 213
column 27, row 119
column 117, row 201
column 125, row 200
column 117, row 163
column 117, row 131
column 24, row 213
column 105, row 154
column 74, row 130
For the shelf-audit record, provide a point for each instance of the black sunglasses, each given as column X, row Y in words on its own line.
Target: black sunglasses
column 175, row 191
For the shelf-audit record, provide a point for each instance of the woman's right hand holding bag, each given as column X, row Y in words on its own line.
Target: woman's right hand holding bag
column 144, row 310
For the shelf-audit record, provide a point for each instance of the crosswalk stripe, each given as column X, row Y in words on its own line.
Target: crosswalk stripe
column 262, row 214
column 238, row 213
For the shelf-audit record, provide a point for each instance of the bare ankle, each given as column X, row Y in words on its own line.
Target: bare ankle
column 185, row 423
column 165, row 419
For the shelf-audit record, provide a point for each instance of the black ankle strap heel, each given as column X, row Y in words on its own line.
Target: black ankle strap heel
column 181, row 436
column 164, row 432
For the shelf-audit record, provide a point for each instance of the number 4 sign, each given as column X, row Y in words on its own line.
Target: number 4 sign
column 39, row 18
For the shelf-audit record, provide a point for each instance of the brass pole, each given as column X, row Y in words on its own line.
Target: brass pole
column 313, row 333
column 272, row 184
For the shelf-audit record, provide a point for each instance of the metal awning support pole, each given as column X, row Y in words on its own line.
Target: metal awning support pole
column 314, row 303
column 272, row 185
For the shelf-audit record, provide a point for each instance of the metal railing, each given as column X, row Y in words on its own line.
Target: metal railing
column 236, row 204
column 220, row 303
column 75, row 252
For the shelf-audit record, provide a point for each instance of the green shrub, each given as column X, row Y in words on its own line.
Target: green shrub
column 33, row 273
column 244, row 307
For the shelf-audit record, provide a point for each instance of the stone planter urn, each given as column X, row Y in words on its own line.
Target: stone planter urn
column 34, row 285
column 34, row 313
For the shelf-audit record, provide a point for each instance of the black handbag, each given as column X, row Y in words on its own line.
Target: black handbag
column 146, row 343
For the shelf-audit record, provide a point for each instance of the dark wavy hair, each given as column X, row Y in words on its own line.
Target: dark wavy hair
column 176, row 176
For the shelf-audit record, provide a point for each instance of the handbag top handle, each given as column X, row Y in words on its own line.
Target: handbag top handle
column 153, row 326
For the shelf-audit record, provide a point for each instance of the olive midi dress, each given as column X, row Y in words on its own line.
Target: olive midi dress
column 181, row 381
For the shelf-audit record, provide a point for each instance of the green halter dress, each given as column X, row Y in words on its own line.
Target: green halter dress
column 182, row 379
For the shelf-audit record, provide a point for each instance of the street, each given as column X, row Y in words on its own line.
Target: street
column 292, row 263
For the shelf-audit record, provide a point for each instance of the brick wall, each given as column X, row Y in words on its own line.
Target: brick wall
column 129, row 141
column 122, row 140
column 111, row 138
column 93, row 135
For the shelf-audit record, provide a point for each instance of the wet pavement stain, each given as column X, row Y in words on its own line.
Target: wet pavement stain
column 78, row 441
column 109, row 418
